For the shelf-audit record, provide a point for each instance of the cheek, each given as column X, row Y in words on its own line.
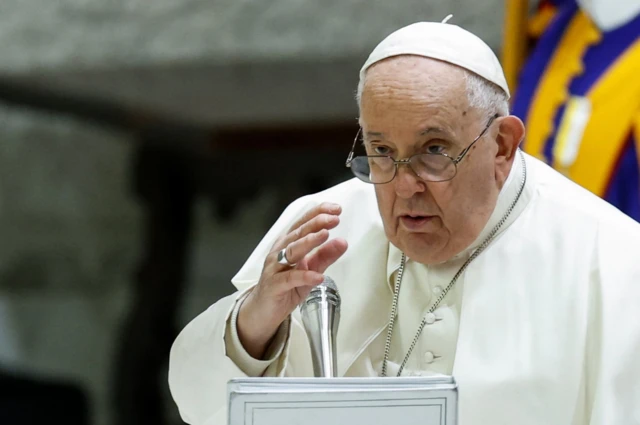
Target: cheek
column 483, row 163
column 386, row 199
column 442, row 195
column 480, row 178
column 454, row 200
column 470, row 193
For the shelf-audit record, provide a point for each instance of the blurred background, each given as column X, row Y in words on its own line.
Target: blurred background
column 145, row 148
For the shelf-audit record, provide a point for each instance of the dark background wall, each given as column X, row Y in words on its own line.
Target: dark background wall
column 142, row 149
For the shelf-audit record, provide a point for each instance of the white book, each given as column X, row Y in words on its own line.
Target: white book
column 343, row 401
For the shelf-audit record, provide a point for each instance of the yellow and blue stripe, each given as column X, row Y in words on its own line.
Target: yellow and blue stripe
column 579, row 95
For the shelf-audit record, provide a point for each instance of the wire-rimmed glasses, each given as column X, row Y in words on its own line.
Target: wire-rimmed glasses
column 431, row 166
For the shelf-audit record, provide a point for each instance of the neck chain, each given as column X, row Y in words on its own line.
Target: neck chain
column 443, row 294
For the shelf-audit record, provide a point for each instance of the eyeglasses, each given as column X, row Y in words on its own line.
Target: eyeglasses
column 431, row 167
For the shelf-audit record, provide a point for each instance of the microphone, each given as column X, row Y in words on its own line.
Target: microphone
column 321, row 316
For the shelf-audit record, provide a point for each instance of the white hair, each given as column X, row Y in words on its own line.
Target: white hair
column 485, row 96
column 482, row 95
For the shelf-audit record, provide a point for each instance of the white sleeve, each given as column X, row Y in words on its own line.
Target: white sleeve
column 200, row 365
column 237, row 353
column 205, row 356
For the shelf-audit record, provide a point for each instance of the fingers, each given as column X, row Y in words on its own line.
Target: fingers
column 293, row 279
column 323, row 216
column 317, row 227
column 297, row 250
column 324, row 208
column 316, row 224
column 326, row 255
column 306, row 234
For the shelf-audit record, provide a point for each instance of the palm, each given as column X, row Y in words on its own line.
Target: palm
column 296, row 296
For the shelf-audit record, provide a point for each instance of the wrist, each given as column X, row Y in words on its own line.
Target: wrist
column 254, row 333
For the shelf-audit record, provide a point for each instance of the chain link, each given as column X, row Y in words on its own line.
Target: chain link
column 392, row 317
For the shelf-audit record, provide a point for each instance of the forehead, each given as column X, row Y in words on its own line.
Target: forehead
column 413, row 85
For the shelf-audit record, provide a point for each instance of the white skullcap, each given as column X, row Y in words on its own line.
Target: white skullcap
column 445, row 42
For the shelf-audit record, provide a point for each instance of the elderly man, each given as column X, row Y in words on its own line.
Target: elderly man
column 454, row 252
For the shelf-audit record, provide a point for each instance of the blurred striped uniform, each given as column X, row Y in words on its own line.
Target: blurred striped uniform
column 579, row 96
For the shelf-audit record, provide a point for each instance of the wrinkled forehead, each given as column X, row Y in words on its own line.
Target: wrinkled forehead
column 413, row 84
column 415, row 71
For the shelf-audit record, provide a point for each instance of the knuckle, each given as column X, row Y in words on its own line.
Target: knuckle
column 268, row 259
column 278, row 243
column 326, row 218
column 311, row 227
column 309, row 214
column 316, row 222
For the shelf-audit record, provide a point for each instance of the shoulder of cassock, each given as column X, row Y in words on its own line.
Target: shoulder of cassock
column 359, row 217
column 597, row 258
column 569, row 211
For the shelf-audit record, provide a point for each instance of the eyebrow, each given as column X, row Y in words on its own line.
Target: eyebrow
column 375, row 134
column 438, row 130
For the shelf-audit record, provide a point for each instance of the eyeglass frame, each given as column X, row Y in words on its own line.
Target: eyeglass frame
column 407, row 161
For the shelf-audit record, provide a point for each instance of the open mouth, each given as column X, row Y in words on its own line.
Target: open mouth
column 415, row 222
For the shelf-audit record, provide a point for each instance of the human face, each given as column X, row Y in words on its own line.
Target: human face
column 415, row 105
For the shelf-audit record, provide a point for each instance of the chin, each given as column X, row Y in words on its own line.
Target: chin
column 423, row 248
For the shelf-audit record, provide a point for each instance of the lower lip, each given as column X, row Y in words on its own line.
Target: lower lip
column 417, row 223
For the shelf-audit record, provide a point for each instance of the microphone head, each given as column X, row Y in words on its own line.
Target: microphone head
column 329, row 283
column 327, row 290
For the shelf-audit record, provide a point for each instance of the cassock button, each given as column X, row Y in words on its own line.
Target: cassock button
column 429, row 357
column 437, row 290
column 430, row 318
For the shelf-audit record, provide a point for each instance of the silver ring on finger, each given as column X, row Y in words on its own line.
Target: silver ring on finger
column 282, row 258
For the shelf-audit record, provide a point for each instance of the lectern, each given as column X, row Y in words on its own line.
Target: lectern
column 343, row 401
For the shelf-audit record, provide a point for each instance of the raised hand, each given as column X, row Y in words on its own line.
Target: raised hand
column 305, row 252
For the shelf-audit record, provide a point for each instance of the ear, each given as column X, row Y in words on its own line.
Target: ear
column 510, row 135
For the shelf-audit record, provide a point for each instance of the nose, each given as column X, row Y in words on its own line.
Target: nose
column 407, row 183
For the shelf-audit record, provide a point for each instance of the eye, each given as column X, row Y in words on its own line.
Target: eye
column 379, row 150
column 437, row 148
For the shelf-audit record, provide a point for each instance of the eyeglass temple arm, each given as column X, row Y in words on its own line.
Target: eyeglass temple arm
column 464, row 152
column 353, row 149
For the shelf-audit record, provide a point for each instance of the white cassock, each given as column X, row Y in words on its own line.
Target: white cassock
column 542, row 328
